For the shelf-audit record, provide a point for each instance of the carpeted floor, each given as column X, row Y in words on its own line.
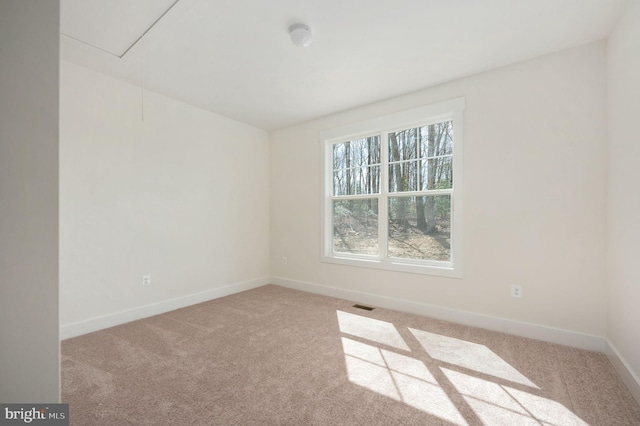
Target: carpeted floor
column 275, row 356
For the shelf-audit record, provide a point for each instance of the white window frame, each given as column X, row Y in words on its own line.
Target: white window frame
column 430, row 114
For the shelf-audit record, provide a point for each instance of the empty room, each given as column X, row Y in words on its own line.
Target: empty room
column 419, row 212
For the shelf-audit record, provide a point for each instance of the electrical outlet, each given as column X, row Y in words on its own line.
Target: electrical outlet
column 516, row 290
column 146, row 280
column 284, row 260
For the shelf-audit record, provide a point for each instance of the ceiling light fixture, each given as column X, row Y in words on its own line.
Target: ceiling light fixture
column 300, row 35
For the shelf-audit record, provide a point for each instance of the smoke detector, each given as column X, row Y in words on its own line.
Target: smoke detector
column 300, row 35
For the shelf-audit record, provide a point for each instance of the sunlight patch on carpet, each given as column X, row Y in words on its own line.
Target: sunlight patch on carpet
column 371, row 329
column 469, row 355
column 398, row 377
column 462, row 368
column 497, row 404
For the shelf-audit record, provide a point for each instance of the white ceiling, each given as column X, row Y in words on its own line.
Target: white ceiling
column 112, row 26
column 234, row 57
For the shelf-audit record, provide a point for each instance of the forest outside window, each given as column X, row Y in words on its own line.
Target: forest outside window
column 393, row 192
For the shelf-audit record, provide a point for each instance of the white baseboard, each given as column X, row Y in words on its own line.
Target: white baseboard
column 623, row 369
column 98, row 323
column 532, row 331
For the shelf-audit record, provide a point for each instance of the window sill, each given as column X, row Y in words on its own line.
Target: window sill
column 398, row 265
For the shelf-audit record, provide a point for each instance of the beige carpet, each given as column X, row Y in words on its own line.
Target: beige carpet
column 275, row 356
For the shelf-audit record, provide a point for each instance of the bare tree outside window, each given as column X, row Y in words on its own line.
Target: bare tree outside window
column 420, row 160
column 356, row 170
column 389, row 198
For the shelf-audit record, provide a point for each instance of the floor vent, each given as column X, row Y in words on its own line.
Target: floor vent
column 366, row 308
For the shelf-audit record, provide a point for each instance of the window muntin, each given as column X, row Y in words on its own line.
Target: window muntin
column 390, row 196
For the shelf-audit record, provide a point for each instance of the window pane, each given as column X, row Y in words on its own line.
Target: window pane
column 436, row 173
column 404, row 176
column 420, row 227
column 356, row 167
column 403, row 145
column 355, row 181
column 355, row 226
column 339, row 157
column 356, row 153
column 421, row 142
column 436, row 140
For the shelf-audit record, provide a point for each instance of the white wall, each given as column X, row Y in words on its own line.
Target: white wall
column 534, row 214
column 182, row 196
column 29, row 347
column 623, row 219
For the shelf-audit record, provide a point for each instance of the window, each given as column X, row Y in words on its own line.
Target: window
column 393, row 191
